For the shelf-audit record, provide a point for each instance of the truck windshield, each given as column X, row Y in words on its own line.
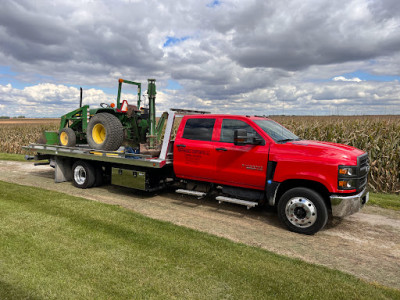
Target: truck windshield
column 276, row 131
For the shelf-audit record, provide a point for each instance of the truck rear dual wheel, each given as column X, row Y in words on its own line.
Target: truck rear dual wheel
column 303, row 210
column 83, row 174
column 105, row 132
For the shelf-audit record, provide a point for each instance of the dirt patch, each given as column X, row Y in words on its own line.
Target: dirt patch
column 366, row 244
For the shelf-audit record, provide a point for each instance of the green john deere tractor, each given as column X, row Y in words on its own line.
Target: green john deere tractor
column 108, row 127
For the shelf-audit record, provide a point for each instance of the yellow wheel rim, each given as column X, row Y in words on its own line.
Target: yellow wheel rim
column 63, row 138
column 99, row 133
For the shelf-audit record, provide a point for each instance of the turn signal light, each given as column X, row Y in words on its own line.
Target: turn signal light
column 343, row 183
column 112, row 105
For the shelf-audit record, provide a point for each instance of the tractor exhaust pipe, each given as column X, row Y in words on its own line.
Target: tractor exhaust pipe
column 151, row 92
column 80, row 102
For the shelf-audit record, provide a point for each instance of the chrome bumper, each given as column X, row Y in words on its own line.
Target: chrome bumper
column 346, row 205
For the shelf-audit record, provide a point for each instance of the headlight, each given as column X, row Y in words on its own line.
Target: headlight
column 347, row 171
column 347, row 177
column 347, row 184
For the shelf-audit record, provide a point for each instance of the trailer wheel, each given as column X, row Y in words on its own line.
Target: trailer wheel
column 302, row 210
column 105, row 132
column 84, row 175
column 67, row 137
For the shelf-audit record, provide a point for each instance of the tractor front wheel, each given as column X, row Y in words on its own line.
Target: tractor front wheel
column 105, row 132
column 67, row 137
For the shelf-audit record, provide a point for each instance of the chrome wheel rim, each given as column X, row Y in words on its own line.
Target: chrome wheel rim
column 80, row 175
column 301, row 212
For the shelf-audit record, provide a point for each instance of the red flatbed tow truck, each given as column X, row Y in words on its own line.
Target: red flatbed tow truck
column 246, row 160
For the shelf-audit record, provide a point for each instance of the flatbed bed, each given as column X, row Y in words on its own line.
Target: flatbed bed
column 84, row 152
column 139, row 171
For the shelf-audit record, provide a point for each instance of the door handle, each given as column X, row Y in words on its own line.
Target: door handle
column 183, row 146
column 221, row 149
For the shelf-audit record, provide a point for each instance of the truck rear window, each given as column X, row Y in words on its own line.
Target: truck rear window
column 199, row 129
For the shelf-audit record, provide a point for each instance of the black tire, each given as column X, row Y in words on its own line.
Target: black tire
column 302, row 210
column 67, row 137
column 108, row 140
column 83, row 174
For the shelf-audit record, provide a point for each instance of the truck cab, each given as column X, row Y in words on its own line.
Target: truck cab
column 256, row 160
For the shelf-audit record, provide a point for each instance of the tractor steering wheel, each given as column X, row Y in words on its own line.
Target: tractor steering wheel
column 104, row 105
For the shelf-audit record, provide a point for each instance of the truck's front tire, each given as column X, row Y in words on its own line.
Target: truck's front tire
column 105, row 132
column 83, row 174
column 302, row 210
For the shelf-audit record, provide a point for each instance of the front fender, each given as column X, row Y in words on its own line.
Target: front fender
column 324, row 174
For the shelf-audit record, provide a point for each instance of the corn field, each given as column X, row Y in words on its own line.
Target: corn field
column 378, row 135
column 14, row 135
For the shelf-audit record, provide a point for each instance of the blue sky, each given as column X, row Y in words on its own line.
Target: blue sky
column 252, row 57
column 370, row 77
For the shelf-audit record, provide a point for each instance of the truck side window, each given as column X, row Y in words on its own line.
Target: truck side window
column 199, row 129
column 229, row 126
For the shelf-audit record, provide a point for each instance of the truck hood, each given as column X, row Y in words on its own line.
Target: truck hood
column 316, row 150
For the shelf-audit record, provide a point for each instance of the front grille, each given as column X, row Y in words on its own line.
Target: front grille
column 362, row 171
column 363, row 164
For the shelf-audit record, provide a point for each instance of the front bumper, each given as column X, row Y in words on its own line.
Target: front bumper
column 346, row 205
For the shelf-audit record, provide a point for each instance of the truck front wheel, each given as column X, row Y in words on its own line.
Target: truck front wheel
column 302, row 210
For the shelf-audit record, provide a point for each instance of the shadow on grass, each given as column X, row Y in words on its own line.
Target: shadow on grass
column 8, row 291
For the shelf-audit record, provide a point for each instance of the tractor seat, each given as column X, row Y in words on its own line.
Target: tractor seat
column 131, row 110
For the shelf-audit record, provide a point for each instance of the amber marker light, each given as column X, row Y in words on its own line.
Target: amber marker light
column 343, row 183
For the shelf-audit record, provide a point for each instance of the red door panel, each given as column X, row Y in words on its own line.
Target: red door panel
column 244, row 166
column 194, row 154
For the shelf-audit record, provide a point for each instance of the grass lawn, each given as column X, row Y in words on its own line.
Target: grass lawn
column 390, row 201
column 8, row 156
column 53, row 245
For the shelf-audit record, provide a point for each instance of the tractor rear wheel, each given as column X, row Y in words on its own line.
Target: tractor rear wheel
column 67, row 137
column 105, row 132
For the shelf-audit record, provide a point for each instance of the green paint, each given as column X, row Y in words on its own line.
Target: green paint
column 151, row 91
column 136, row 126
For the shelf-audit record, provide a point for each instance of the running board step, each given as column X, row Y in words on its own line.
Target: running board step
column 191, row 193
column 249, row 204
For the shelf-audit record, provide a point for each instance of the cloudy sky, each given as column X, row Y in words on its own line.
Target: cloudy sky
column 247, row 57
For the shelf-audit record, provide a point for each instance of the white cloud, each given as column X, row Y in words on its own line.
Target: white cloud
column 342, row 78
column 50, row 100
column 236, row 54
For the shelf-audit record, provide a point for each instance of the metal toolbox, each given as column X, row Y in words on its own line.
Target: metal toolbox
column 129, row 178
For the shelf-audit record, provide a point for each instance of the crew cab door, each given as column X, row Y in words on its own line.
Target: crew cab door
column 244, row 165
column 194, row 154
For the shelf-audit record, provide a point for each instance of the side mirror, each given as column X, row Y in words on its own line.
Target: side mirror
column 258, row 141
column 242, row 137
